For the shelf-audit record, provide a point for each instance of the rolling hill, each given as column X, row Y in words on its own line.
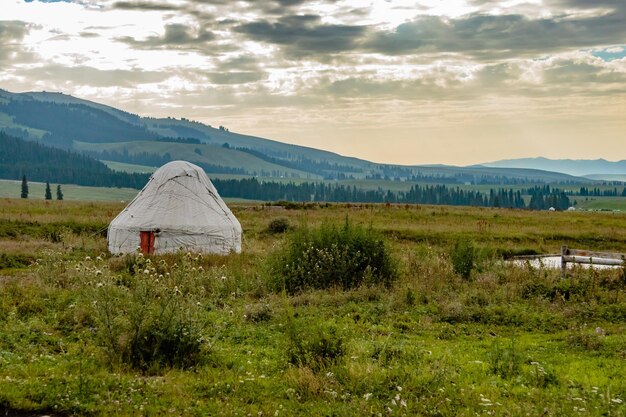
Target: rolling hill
column 110, row 134
column 599, row 169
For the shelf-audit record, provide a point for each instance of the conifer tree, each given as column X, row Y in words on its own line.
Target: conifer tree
column 48, row 191
column 24, row 187
column 59, row 192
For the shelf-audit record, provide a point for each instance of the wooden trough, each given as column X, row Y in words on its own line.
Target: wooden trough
column 590, row 257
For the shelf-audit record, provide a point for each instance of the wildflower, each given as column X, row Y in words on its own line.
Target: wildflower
column 88, row 258
column 99, row 285
column 617, row 400
column 98, row 258
column 367, row 396
column 146, row 271
column 98, row 272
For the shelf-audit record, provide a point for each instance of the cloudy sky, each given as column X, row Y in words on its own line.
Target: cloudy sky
column 399, row 81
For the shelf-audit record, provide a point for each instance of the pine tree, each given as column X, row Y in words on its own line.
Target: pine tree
column 59, row 192
column 24, row 187
column 48, row 191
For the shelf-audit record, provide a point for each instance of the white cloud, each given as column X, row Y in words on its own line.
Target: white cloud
column 347, row 75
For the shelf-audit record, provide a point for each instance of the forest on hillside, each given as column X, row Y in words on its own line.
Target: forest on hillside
column 37, row 162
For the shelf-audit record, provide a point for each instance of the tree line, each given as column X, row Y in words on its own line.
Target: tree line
column 252, row 188
column 41, row 163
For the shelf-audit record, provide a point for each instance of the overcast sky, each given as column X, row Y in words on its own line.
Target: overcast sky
column 401, row 81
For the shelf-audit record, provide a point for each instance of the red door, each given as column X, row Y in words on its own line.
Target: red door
column 147, row 242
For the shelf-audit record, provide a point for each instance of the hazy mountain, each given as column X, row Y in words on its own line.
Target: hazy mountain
column 110, row 134
column 595, row 169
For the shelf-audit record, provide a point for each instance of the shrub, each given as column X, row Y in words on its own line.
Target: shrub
column 331, row 256
column 462, row 256
column 280, row 225
column 315, row 347
column 150, row 322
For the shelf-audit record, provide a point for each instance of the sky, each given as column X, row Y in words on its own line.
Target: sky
column 400, row 81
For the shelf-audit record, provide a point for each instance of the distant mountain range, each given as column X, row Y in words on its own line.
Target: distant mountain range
column 598, row 169
column 125, row 139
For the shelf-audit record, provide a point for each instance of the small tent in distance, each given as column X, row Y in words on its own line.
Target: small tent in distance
column 178, row 209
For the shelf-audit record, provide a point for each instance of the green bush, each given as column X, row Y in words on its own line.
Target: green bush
column 330, row 256
column 150, row 322
column 280, row 225
column 463, row 258
column 315, row 347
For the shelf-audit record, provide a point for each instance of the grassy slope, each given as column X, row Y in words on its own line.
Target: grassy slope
column 215, row 155
column 512, row 341
column 122, row 167
column 7, row 121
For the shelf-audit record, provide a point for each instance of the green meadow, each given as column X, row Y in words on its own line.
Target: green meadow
column 85, row 333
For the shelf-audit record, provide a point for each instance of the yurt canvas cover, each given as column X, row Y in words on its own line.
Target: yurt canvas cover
column 178, row 209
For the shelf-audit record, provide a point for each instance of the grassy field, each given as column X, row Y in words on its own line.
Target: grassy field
column 602, row 203
column 506, row 341
column 71, row 192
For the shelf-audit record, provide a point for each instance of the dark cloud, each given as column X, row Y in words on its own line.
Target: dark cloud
column 12, row 32
column 240, row 63
column 192, row 6
column 144, row 5
column 89, row 35
column 499, row 36
column 304, row 35
column 235, row 77
column 176, row 36
column 575, row 74
column 85, row 75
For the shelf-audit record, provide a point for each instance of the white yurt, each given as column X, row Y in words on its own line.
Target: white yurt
column 179, row 209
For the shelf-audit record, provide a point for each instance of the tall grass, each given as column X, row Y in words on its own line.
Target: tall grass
column 333, row 256
column 83, row 333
